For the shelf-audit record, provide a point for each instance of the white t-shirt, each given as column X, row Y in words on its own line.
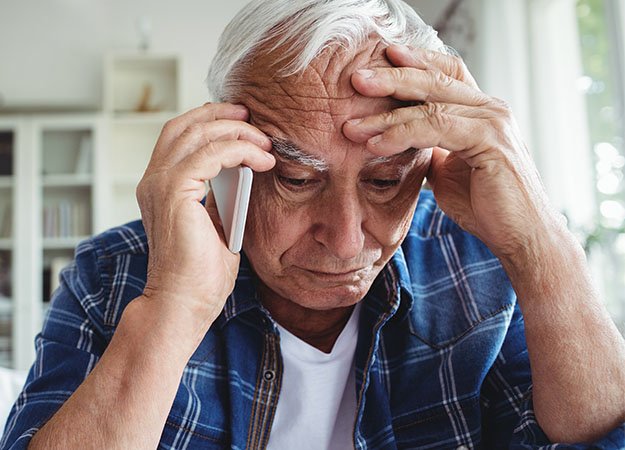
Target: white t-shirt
column 317, row 404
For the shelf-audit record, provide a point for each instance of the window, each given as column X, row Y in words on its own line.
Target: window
column 601, row 28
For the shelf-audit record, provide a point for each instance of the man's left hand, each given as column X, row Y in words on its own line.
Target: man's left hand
column 484, row 179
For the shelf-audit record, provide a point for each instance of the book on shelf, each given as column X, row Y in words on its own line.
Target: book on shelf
column 6, row 153
column 6, row 311
column 65, row 219
column 5, row 276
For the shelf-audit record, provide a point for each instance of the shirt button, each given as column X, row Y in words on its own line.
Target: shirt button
column 269, row 375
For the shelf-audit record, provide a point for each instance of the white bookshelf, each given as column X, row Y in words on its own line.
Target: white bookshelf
column 9, row 131
column 72, row 175
column 54, row 164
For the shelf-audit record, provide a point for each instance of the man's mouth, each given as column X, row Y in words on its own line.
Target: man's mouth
column 344, row 275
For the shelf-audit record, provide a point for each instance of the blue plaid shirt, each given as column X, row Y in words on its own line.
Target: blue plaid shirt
column 441, row 360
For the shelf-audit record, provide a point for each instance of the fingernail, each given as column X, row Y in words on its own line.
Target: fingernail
column 375, row 140
column 366, row 73
column 355, row 121
column 269, row 156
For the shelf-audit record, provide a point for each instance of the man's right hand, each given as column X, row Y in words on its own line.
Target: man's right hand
column 191, row 272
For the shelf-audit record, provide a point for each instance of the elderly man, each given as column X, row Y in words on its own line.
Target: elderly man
column 360, row 315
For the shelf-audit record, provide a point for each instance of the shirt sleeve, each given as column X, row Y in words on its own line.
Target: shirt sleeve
column 67, row 349
column 508, row 420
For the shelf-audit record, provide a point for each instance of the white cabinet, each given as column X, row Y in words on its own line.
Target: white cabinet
column 67, row 176
column 8, row 138
column 52, row 197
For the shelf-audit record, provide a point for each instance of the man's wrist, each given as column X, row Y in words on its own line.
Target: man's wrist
column 545, row 262
column 168, row 326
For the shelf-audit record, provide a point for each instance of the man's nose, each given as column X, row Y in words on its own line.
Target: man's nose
column 340, row 226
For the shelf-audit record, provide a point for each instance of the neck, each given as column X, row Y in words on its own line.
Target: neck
column 317, row 328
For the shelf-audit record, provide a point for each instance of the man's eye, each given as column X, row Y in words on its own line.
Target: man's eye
column 296, row 182
column 383, row 184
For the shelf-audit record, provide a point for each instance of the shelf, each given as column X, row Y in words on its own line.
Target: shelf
column 68, row 180
column 141, row 82
column 62, row 243
column 6, row 182
column 6, row 244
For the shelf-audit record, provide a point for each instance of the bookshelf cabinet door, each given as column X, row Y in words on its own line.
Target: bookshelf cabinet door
column 7, row 179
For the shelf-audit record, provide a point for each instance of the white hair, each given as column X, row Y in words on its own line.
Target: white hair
column 304, row 28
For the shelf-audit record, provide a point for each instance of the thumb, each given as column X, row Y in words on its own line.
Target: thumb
column 436, row 163
column 211, row 208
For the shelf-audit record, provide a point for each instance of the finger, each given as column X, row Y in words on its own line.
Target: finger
column 205, row 113
column 452, row 66
column 206, row 162
column 362, row 129
column 454, row 133
column 436, row 163
column 203, row 133
column 410, row 84
column 211, row 209
column 451, row 163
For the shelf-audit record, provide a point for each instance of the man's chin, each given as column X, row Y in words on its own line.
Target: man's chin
column 326, row 291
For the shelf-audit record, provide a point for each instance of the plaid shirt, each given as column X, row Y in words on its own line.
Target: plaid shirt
column 441, row 360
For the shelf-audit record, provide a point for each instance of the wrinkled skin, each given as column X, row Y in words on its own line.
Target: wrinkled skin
column 341, row 221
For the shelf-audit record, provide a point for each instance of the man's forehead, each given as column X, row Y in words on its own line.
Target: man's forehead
column 328, row 74
column 311, row 108
column 321, row 96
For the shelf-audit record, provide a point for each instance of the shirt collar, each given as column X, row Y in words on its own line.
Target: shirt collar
column 390, row 295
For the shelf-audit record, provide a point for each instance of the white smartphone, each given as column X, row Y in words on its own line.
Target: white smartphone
column 232, row 188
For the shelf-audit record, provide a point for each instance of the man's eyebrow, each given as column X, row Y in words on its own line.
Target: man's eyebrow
column 291, row 152
column 392, row 158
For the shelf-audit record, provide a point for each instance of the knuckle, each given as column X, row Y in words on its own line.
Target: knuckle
column 441, row 79
column 144, row 191
column 403, row 74
column 456, row 67
column 195, row 128
column 140, row 192
column 440, row 121
column 502, row 107
column 405, row 129
column 389, row 117
column 208, row 151
column 434, row 109
column 171, row 125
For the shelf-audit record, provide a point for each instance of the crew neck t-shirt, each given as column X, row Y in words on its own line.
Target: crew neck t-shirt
column 317, row 404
